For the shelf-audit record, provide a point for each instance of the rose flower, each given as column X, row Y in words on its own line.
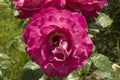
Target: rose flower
column 27, row 8
column 89, row 8
column 57, row 41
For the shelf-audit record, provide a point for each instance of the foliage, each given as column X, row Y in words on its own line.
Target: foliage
column 104, row 64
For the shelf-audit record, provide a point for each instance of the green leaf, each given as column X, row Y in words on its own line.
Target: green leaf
column 20, row 44
column 86, row 68
column 3, row 56
column 95, row 30
column 75, row 75
column 2, row 3
column 44, row 77
column 9, row 43
column 1, row 74
column 95, row 26
column 31, row 65
column 101, row 61
column 31, row 71
column 116, row 69
column 104, row 20
column 106, row 75
column 72, row 76
column 5, row 64
column 104, row 68
column 21, row 48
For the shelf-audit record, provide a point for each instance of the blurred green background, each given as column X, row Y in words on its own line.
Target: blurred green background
column 104, row 64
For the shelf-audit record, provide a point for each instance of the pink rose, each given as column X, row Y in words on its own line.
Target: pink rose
column 89, row 8
column 27, row 8
column 57, row 40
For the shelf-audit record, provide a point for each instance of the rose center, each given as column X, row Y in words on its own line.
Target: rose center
column 56, row 39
